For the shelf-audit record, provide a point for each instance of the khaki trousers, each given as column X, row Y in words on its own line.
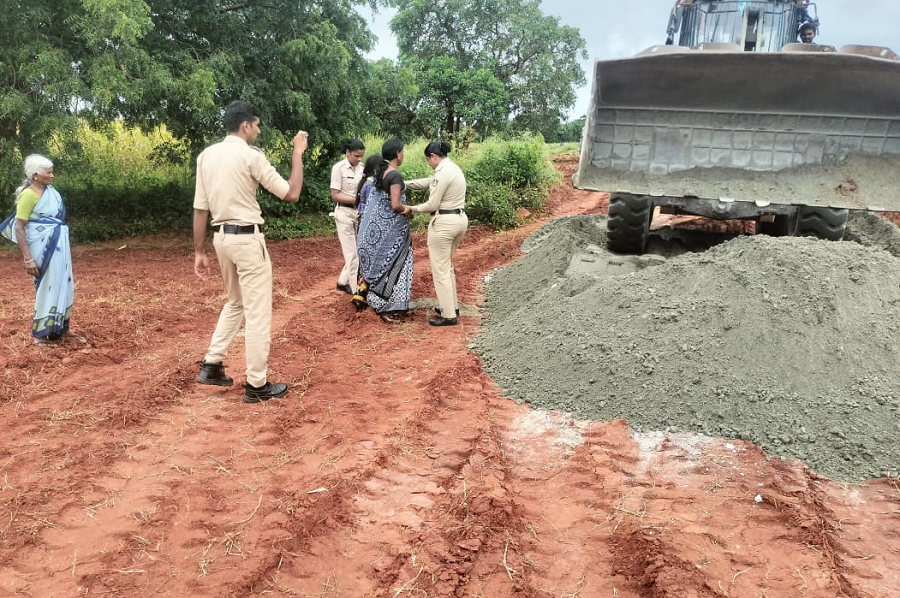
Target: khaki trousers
column 445, row 231
column 247, row 273
column 346, row 219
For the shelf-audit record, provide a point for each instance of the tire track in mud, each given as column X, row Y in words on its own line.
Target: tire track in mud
column 397, row 486
column 157, row 497
column 401, row 488
column 81, row 476
column 465, row 549
column 631, row 498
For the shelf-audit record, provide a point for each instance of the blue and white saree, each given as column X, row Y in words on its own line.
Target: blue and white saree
column 384, row 246
column 47, row 236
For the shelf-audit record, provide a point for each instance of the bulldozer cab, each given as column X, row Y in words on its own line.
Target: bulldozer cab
column 751, row 26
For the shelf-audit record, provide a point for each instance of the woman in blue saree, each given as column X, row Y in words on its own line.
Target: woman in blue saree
column 38, row 227
column 384, row 243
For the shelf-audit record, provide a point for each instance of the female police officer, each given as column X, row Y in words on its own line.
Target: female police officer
column 447, row 202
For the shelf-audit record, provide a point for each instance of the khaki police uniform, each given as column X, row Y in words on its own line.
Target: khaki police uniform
column 447, row 200
column 346, row 178
column 228, row 175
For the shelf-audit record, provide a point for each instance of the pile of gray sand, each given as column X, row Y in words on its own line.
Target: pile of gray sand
column 791, row 343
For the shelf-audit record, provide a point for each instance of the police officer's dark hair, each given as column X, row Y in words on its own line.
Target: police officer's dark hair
column 352, row 145
column 389, row 150
column 238, row 112
column 438, row 148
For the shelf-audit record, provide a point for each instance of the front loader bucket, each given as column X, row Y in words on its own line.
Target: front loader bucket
column 793, row 127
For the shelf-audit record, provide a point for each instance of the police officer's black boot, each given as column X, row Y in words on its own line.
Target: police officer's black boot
column 213, row 373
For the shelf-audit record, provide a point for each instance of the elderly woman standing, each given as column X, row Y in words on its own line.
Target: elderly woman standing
column 38, row 227
column 447, row 201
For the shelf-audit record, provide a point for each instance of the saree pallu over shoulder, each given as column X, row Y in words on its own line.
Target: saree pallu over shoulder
column 47, row 236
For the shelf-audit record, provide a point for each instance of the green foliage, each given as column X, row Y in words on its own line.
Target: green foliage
column 119, row 182
column 391, row 98
column 108, row 188
column 154, row 62
column 501, row 175
column 567, row 132
column 111, row 213
column 521, row 163
column 477, row 58
column 453, row 97
column 559, row 149
column 300, row 225
column 507, row 176
column 491, row 205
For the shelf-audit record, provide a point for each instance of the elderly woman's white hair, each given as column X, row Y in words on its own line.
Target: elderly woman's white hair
column 33, row 164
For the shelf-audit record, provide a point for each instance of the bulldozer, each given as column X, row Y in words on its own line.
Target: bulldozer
column 734, row 118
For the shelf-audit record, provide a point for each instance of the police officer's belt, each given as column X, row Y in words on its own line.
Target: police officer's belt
column 457, row 211
column 239, row 229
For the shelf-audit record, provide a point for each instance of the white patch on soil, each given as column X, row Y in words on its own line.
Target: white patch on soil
column 544, row 438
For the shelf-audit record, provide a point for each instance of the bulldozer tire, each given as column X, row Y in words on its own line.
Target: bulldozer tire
column 628, row 226
column 781, row 227
column 822, row 223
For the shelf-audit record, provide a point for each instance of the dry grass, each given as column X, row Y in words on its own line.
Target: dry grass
column 624, row 510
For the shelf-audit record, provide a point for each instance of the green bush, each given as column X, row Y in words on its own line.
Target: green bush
column 502, row 175
column 520, row 162
column 300, row 225
column 103, row 213
column 120, row 182
column 508, row 175
column 491, row 205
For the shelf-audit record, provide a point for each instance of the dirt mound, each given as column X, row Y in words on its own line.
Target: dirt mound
column 787, row 342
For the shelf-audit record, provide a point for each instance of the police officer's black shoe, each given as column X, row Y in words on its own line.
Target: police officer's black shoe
column 213, row 373
column 443, row 322
column 345, row 288
column 437, row 310
column 253, row 394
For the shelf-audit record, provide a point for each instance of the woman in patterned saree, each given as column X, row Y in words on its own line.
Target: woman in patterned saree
column 38, row 227
column 384, row 241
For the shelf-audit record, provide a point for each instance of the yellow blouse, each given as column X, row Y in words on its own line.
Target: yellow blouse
column 25, row 204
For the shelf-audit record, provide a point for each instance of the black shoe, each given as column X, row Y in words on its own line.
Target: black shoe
column 213, row 373
column 437, row 310
column 443, row 322
column 345, row 288
column 265, row 392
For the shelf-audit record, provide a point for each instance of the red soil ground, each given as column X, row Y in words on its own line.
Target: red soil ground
column 394, row 468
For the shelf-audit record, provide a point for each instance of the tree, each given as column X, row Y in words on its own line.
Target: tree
column 150, row 62
column 453, row 97
column 47, row 49
column 391, row 97
column 533, row 57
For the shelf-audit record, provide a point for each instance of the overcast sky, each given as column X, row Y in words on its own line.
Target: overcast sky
column 621, row 28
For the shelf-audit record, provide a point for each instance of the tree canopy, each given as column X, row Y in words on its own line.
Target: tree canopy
column 474, row 57
column 482, row 65
column 151, row 62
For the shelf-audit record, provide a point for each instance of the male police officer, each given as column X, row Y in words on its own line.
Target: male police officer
column 228, row 175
